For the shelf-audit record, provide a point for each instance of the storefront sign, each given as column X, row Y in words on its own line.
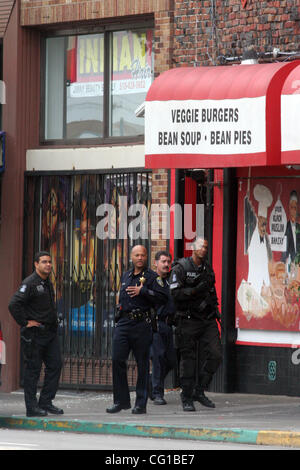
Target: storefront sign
column 215, row 117
column 206, row 127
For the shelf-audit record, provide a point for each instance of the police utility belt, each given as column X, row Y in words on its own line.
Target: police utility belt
column 196, row 312
column 40, row 330
column 138, row 315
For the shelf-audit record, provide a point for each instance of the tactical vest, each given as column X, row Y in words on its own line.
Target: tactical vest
column 192, row 279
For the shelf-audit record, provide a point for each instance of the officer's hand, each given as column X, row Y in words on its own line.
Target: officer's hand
column 200, row 287
column 133, row 291
column 32, row 323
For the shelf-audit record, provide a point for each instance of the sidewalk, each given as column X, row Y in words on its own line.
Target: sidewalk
column 252, row 419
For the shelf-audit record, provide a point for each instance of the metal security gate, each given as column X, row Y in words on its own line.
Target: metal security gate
column 89, row 224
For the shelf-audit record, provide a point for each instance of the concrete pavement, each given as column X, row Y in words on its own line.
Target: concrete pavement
column 252, row 419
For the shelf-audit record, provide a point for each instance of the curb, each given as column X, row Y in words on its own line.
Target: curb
column 243, row 436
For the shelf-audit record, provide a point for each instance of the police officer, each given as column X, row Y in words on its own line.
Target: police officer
column 197, row 336
column 162, row 349
column 140, row 290
column 33, row 308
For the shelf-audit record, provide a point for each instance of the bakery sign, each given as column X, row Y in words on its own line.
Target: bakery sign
column 203, row 117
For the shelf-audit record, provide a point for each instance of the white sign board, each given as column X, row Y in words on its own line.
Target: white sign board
column 208, row 127
column 290, row 122
column 278, row 221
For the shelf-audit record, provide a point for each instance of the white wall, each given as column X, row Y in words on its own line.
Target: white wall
column 96, row 158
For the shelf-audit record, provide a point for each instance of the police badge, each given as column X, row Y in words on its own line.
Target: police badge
column 160, row 281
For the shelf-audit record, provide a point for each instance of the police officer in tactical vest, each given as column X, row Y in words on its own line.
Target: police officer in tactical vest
column 192, row 285
column 33, row 308
column 141, row 290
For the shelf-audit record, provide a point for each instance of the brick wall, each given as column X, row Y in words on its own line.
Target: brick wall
column 207, row 30
column 163, row 41
column 37, row 12
column 159, row 196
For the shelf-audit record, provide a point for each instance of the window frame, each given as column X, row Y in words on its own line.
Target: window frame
column 107, row 29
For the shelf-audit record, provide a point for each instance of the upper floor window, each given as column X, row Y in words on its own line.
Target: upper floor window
column 94, row 83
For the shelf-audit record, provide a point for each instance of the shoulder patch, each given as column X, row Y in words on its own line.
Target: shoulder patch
column 160, row 281
column 23, row 288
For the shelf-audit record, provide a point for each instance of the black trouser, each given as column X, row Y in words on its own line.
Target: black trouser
column 45, row 349
column 198, row 341
column 135, row 336
column 163, row 357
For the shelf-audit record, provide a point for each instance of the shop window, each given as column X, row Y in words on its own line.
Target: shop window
column 94, row 83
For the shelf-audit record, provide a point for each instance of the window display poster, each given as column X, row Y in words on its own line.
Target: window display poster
column 131, row 63
column 268, row 254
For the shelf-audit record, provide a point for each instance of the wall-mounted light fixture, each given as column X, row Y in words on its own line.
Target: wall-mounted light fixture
column 249, row 56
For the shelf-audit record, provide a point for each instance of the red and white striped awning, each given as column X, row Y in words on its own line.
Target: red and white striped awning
column 215, row 117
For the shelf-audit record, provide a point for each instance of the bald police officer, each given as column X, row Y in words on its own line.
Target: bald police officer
column 140, row 290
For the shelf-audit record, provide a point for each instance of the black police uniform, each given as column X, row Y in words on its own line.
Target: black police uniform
column 35, row 300
column 133, row 332
column 197, row 335
column 163, row 354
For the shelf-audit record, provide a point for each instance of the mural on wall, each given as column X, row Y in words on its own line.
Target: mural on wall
column 268, row 255
column 89, row 224
column 54, row 227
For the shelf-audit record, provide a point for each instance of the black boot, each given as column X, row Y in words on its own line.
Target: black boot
column 187, row 403
column 202, row 398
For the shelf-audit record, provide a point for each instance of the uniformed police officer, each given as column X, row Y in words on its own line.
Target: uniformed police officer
column 140, row 290
column 33, row 308
column 197, row 336
column 162, row 349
